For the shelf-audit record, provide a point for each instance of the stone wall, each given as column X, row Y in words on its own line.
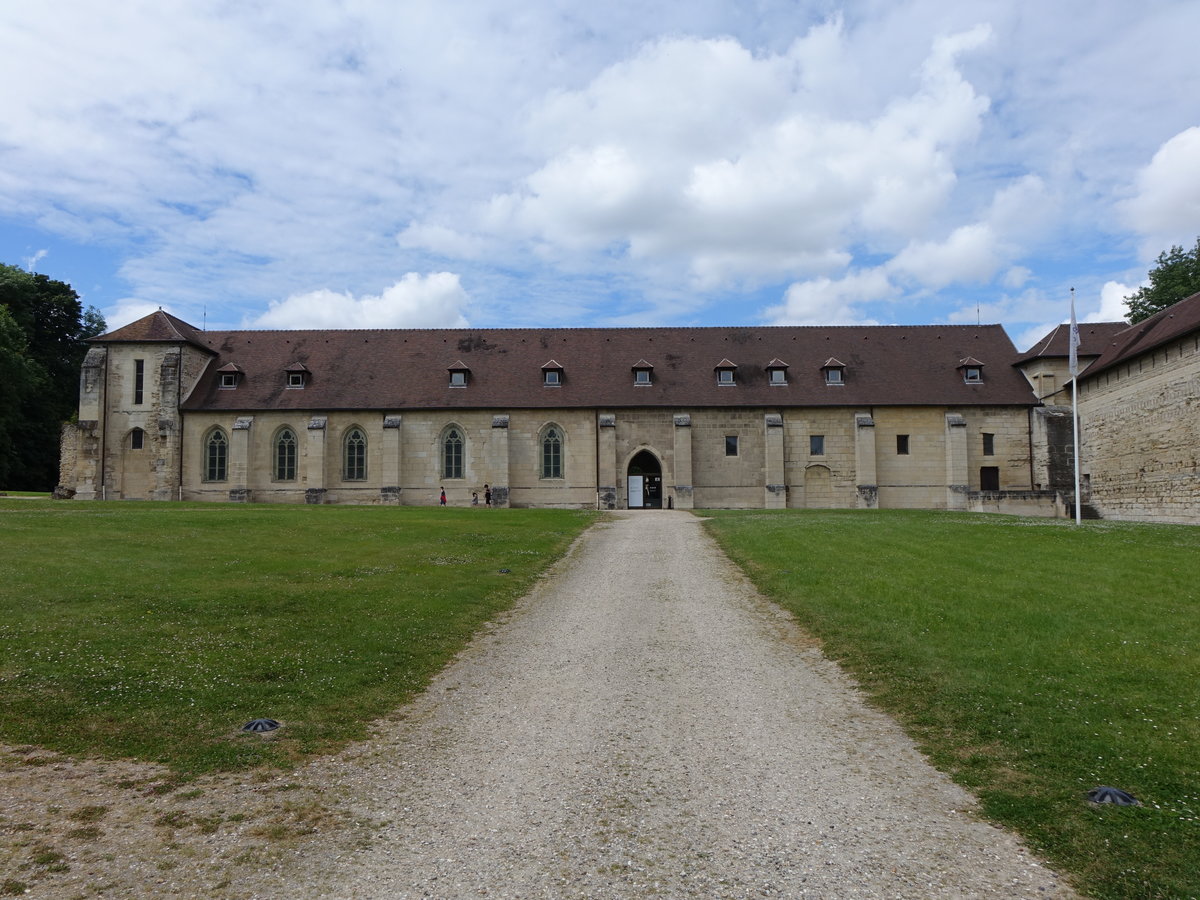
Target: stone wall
column 772, row 466
column 1140, row 444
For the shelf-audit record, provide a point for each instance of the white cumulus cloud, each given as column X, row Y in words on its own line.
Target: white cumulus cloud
column 436, row 300
column 826, row 301
column 698, row 151
column 1167, row 204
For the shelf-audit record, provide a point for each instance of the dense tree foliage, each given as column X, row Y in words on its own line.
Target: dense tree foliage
column 43, row 334
column 1175, row 277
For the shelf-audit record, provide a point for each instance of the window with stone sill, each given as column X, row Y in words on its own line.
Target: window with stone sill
column 452, row 454
column 354, row 456
column 285, row 455
column 216, row 456
column 552, row 456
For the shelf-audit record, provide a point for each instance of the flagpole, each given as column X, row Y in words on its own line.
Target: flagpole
column 1073, row 365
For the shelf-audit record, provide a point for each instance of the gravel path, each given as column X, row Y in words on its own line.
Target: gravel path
column 644, row 724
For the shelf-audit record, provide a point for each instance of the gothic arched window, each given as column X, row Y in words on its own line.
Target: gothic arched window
column 285, row 455
column 552, row 466
column 354, row 456
column 216, row 456
column 452, row 454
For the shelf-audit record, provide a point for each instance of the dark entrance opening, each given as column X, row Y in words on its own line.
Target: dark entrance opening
column 645, row 482
column 989, row 478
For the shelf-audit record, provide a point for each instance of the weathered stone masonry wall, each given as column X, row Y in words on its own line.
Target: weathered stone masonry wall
column 1140, row 447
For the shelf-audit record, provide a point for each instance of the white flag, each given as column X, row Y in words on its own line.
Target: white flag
column 1073, row 364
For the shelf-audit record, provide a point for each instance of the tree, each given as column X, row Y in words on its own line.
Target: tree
column 1174, row 278
column 43, row 341
column 21, row 379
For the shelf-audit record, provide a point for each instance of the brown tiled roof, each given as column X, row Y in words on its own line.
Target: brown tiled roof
column 1093, row 338
column 406, row 369
column 1161, row 328
column 156, row 328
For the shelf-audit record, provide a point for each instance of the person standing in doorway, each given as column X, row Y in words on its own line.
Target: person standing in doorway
column 487, row 496
column 443, row 496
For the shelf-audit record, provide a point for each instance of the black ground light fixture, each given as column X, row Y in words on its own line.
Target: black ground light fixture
column 260, row 726
column 1112, row 795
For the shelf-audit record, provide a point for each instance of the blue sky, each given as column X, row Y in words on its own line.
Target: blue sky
column 424, row 164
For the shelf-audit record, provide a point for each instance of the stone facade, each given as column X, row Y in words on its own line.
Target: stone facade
column 892, row 431
column 1140, row 418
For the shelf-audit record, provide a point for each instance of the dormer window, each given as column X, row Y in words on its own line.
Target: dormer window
column 459, row 375
column 777, row 372
column 834, row 371
column 643, row 373
column 297, row 375
column 726, row 373
column 552, row 374
column 972, row 370
column 229, row 376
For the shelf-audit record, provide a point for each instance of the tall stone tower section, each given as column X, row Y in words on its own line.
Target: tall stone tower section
column 127, row 442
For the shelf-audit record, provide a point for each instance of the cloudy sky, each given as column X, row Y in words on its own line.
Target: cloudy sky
column 368, row 163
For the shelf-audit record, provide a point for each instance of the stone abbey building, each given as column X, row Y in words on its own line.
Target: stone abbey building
column 939, row 417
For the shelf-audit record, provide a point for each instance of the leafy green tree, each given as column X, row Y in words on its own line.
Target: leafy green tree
column 1174, row 278
column 43, row 344
column 21, row 379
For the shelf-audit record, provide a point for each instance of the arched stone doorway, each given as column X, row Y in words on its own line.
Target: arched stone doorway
column 644, row 480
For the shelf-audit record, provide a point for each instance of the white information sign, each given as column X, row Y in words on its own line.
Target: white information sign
column 635, row 491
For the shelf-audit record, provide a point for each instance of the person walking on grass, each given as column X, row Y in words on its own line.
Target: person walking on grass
column 487, row 496
column 443, row 496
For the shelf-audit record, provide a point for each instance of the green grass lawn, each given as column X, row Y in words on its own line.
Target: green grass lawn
column 1031, row 659
column 154, row 631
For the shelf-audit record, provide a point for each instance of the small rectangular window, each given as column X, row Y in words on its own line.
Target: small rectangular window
column 973, row 374
column 139, row 380
column 295, row 379
column 228, row 380
column 989, row 444
column 778, row 376
column 833, row 376
column 725, row 376
column 137, row 439
column 458, row 379
column 816, row 445
column 902, row 444
column 731, row 445
column 641, row 376
column 553, row 376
